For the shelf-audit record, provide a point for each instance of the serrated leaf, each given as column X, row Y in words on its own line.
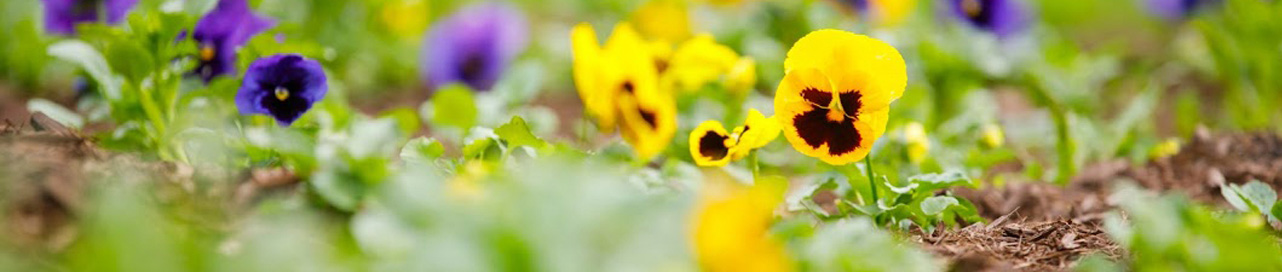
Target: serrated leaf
column 455, row 106
column 422, row 149
column 517, row 133
column 89, row 59
column 936, row 205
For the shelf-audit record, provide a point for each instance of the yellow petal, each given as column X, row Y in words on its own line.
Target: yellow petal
column 663, row 19
column 701, row 60
column 591, row 76
column 853, row 63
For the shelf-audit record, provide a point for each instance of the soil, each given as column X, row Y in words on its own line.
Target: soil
column 45, row 171
column 1029, row 246
column 1058, row 225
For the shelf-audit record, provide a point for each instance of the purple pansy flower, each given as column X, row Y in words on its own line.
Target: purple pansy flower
column 859, row 6
column 61, row 16
column 473, row 46
column 283, row 86
column 228, row 26
column 1001, row 17
column 1176, row 9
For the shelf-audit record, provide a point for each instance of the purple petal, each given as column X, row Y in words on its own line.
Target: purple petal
column 230, row 25
column 473, row 46
column 62, row 16
column 1001, row 17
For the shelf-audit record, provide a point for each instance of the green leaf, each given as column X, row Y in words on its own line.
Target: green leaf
column 454, row 105
column 517, row 133
column 1254, row 196
column 422, row 149
column 83, row 55
column 936, row 181
column 57, row 112
column 936, row 205
column 131, row 60
column 406, row 119
column 342, row 191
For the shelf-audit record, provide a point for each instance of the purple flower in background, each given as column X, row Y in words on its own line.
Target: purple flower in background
column 474, row 46
column 228, row 26
column 1176, row 9
column 859, row 6
column 1001, row 17
column 283, row 86
column 61, row 16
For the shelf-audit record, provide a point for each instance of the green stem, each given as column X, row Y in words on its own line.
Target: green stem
column 756, row 167
column 872, row 182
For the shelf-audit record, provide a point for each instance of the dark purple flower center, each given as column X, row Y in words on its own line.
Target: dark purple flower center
column 86, row 8
column 979, row 12
column 816, row 128
column 288, row 109
column 472, row 70
column 713, row 145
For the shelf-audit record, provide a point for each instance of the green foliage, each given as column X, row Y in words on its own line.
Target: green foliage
column 1170, row 233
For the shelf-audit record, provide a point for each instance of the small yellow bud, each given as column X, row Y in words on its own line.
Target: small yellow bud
column 918, row 143
column 1166, row 148
column 992, row 136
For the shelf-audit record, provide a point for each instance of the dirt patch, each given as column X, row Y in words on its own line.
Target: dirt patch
column 1201, row 167
column 1059, row 224
column 1028, row 246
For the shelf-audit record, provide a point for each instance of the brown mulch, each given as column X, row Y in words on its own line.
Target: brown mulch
column 1004, row 245
column 1059, row 224
column 47, row 170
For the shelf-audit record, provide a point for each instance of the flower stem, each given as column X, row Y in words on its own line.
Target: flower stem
column 756, row 168
column 872, row 182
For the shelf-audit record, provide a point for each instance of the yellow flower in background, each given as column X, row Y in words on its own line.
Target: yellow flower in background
column 667, row 20
column 835, row 97
column 405, row 18
column 917, row 142
column 593, row 77
column 892, row 12
column 699, row 61
column 742, row 76
column 1167, row 148
column 466, row 185
column 991, row 136
column 648, row 119
column 710, row 145
column 731, row 227
column 618, row 84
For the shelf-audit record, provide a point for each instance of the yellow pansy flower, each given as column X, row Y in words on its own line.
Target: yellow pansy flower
column 710, row 145
column 918, row 143
column 731, row 228
column 405, row 18
column 835, row 97
column 618, row 84
column 699, row 61
column 992, row 136
column 667, row 20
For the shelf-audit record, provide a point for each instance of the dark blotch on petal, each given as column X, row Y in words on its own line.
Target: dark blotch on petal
column 649, row 118
column 815, row 128
column 472, row 69
column 628, row 87
column 851, row 104
column 817, row 97
column 713, row 145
